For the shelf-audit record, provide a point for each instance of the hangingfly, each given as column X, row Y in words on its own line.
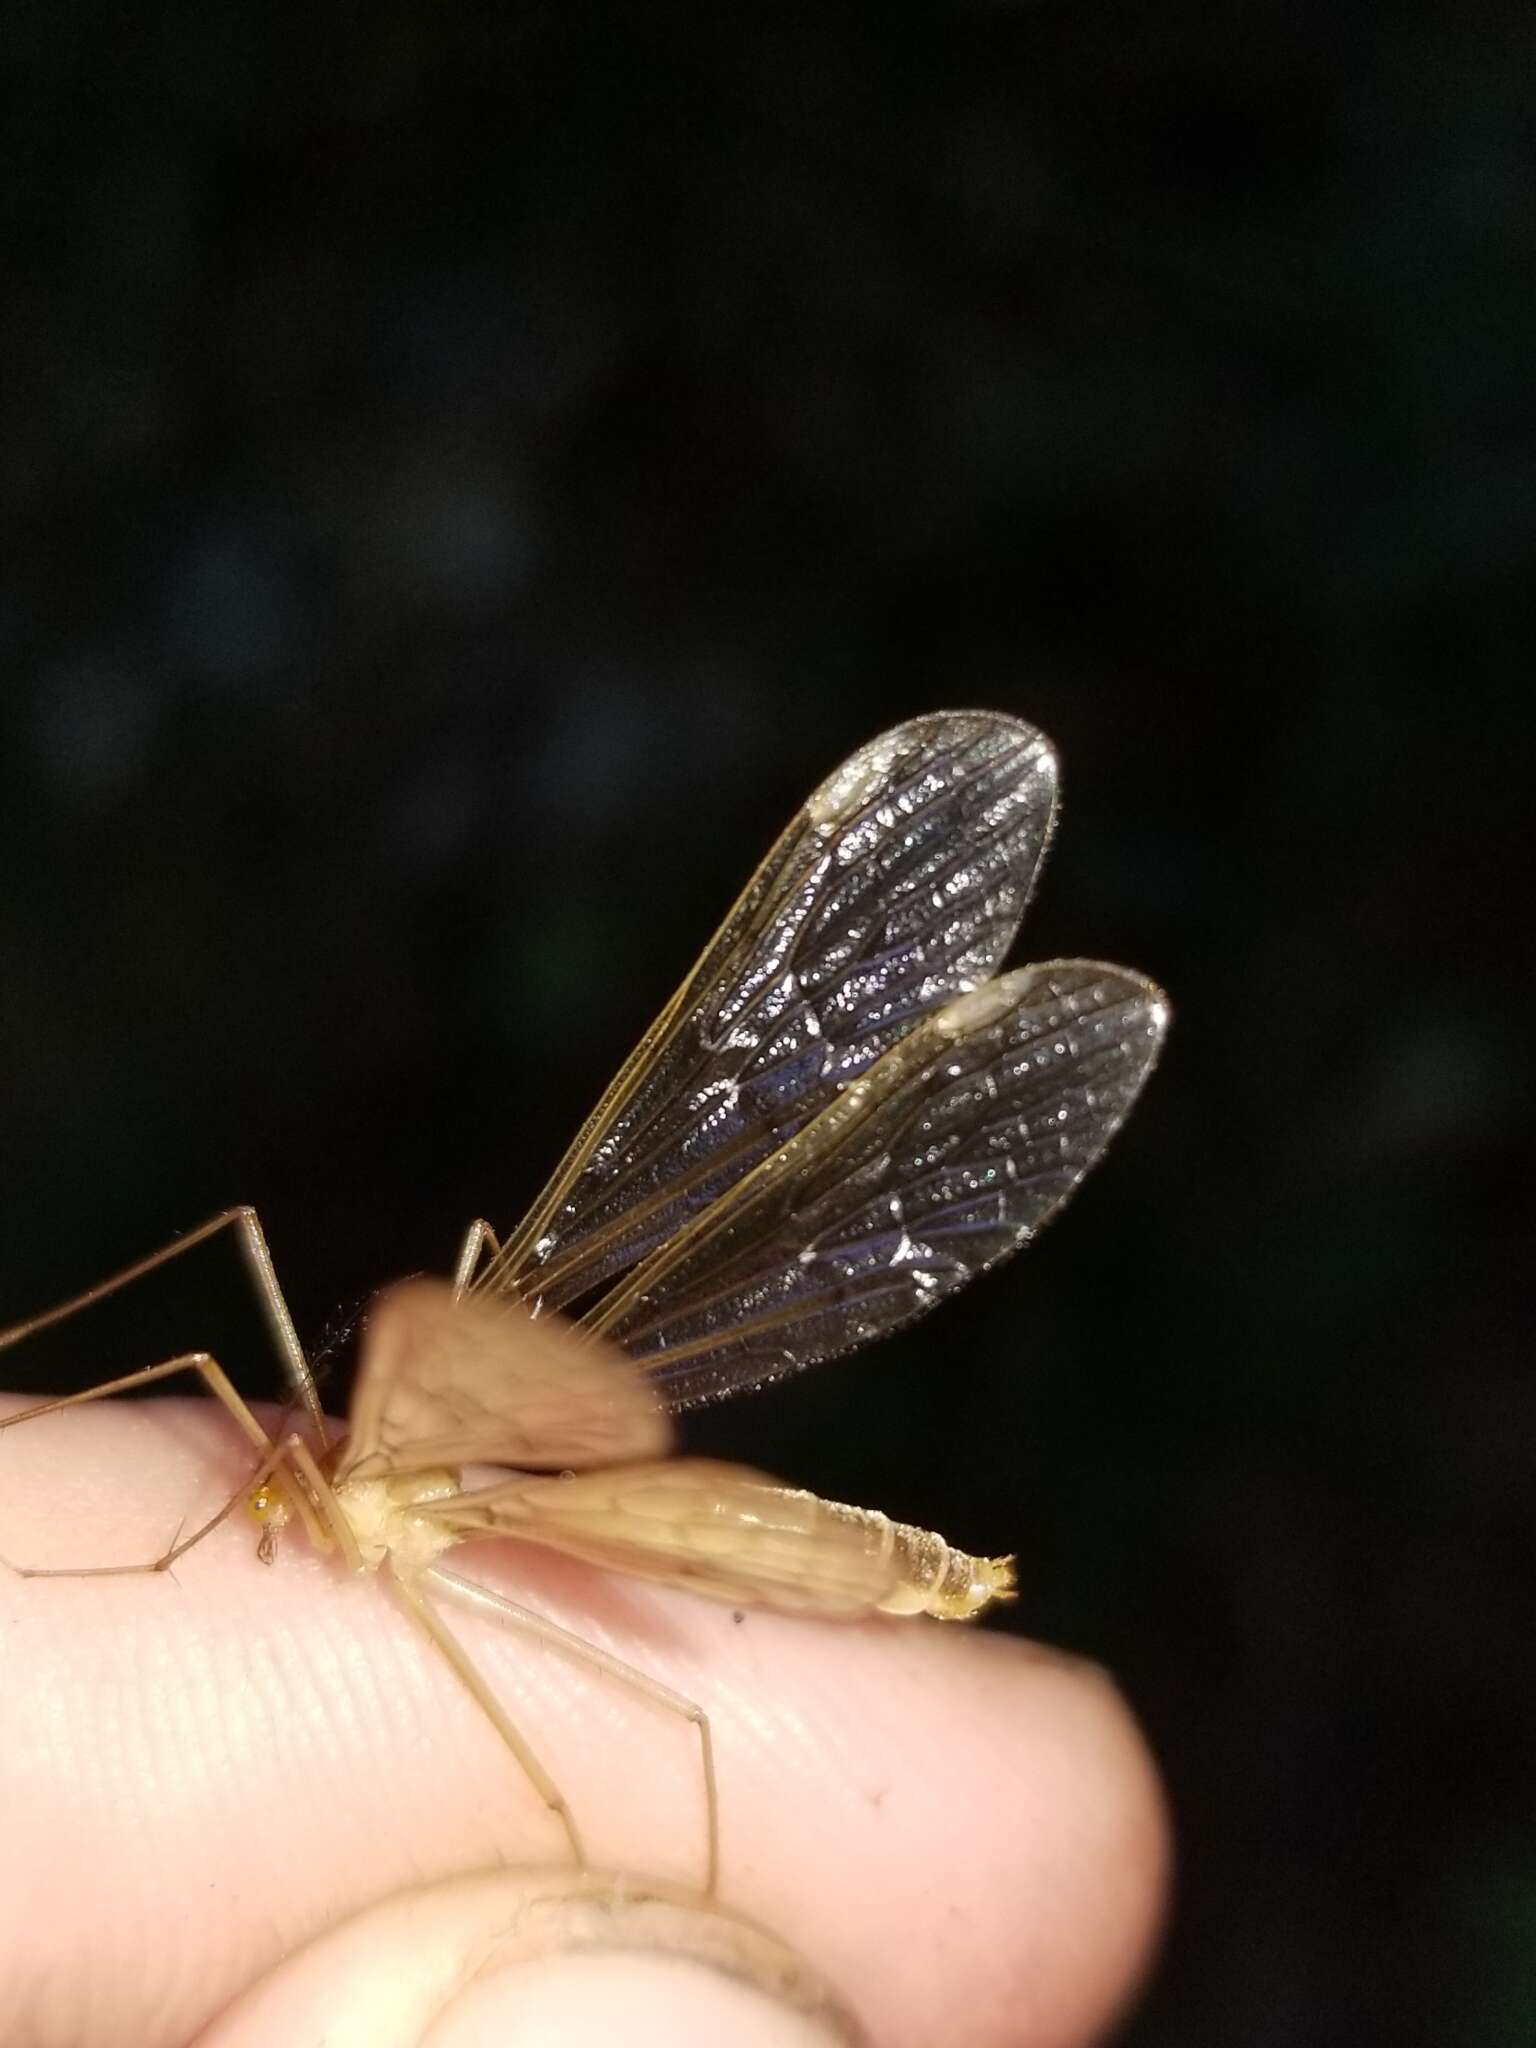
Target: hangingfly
column 844, row 1113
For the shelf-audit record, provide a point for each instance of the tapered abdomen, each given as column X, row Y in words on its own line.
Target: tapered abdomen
column 732, row 1533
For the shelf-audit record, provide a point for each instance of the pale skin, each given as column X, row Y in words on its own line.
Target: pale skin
column 201, row 1775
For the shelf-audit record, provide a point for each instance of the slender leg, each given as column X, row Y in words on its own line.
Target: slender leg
column 178, row 1547
column 273, row 1453
column 335, row 1531
column 210, row 1371
column 508, row 1614
column 258, row 1263
column 421, row 1609
column 476, row 1238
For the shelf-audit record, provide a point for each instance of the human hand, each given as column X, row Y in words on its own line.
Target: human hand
column 253, row 1804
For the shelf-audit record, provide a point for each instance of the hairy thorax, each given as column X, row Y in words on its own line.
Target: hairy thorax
column 383, row 1521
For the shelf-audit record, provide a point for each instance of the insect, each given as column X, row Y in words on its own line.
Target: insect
column 843, row 1114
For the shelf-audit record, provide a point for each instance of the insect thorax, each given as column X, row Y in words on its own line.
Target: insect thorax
column 379, row 1512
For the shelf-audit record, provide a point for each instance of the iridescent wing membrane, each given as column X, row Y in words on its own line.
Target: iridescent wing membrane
column 900, row 883
column 947, row 1156
column 841, row 1115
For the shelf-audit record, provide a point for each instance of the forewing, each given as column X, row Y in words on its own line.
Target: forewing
column 476, row 1381
column 900, row 884
column 946, row 1156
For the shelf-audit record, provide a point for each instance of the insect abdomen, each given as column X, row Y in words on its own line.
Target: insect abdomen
column 939, row 1580
column 731, row 1533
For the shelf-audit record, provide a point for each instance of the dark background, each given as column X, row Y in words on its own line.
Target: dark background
column 467, row 475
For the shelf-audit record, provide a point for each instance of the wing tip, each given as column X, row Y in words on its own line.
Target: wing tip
column 843, row 793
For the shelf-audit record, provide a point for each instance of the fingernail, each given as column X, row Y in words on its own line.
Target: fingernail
column 593, row 2000
column 523, row 1959
column 603, row 1960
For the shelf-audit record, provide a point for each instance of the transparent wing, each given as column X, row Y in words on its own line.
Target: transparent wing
column 945, row 1156
column 900, row 884
column 449, row 1383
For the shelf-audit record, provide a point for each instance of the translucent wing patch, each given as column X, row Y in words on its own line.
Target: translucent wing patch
column 445, row 1383
column 899, row 885
column 945, row 1156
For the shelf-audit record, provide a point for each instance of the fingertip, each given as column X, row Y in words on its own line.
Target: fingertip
column 1077, row 1844
column 999, row 1861
column 1113, row 1845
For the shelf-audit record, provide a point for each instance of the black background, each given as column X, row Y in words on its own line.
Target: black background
column 467, row 475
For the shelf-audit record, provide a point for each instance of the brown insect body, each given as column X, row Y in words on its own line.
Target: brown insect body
column 710, row 1527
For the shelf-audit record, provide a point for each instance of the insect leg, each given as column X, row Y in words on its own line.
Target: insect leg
column 319, row 1510
column 422, row 1611
column 218, row 1384
column 476, row 1238
column 510, row 1615
column 258, row 1263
